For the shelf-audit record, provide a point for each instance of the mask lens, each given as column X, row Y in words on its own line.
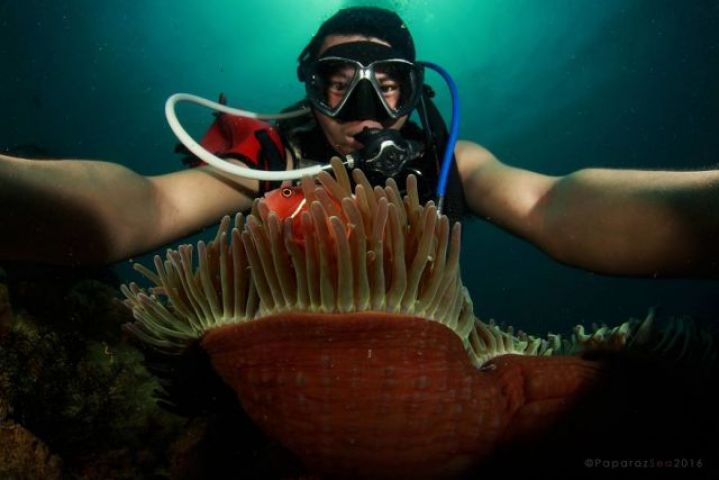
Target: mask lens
column 398, row 83
column 330, row 83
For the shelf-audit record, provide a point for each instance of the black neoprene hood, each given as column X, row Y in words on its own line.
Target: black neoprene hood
column 368, row 21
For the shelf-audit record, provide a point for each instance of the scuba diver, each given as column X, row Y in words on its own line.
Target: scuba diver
column 364, row 91
column 362, row 83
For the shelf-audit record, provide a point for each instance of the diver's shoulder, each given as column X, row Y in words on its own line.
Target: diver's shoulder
column 467, row 147
column 471, row 152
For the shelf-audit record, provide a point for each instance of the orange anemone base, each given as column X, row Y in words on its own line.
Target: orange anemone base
column 381, row 395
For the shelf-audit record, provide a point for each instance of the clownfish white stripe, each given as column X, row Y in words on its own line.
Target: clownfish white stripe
column 299, row 208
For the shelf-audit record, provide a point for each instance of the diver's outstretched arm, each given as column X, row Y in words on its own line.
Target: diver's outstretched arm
column 622, row 222
column 81, row 212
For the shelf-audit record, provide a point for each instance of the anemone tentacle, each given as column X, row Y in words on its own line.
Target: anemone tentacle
column 367, row 250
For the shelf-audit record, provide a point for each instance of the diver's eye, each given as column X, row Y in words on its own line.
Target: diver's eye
column 389, row 87
column 287, row 192
column 338, row 87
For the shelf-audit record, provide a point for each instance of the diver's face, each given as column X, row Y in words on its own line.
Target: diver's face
column 340, row 133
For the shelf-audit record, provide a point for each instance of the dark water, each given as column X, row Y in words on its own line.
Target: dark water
column 551, row 86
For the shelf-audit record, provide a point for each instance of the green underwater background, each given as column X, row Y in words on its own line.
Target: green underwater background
column 552, row 86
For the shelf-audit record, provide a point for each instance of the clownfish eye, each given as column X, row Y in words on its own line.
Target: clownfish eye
column 287, row 192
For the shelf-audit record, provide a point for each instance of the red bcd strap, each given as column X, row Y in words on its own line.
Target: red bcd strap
column 233, row 136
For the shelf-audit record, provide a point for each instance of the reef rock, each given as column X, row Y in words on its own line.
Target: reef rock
column 24, row 456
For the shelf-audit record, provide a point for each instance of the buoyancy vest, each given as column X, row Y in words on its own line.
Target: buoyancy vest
column 255, row 143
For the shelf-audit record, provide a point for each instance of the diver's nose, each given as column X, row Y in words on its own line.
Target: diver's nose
column 363, row 104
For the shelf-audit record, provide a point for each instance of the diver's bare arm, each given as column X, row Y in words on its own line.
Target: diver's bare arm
column 88, row 212
column 62, row 211
column 636, row 222
column 609, row 221
column 504, row 195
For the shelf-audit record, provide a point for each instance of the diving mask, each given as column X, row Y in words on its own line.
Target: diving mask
column 363, row 80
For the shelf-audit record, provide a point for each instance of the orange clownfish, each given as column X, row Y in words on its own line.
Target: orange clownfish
column 287, row 202
column 290, row 202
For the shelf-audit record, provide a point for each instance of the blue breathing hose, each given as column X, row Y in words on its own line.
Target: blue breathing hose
column 453, row 133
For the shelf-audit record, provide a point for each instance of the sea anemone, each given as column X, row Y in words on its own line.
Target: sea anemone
column 348, row 336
